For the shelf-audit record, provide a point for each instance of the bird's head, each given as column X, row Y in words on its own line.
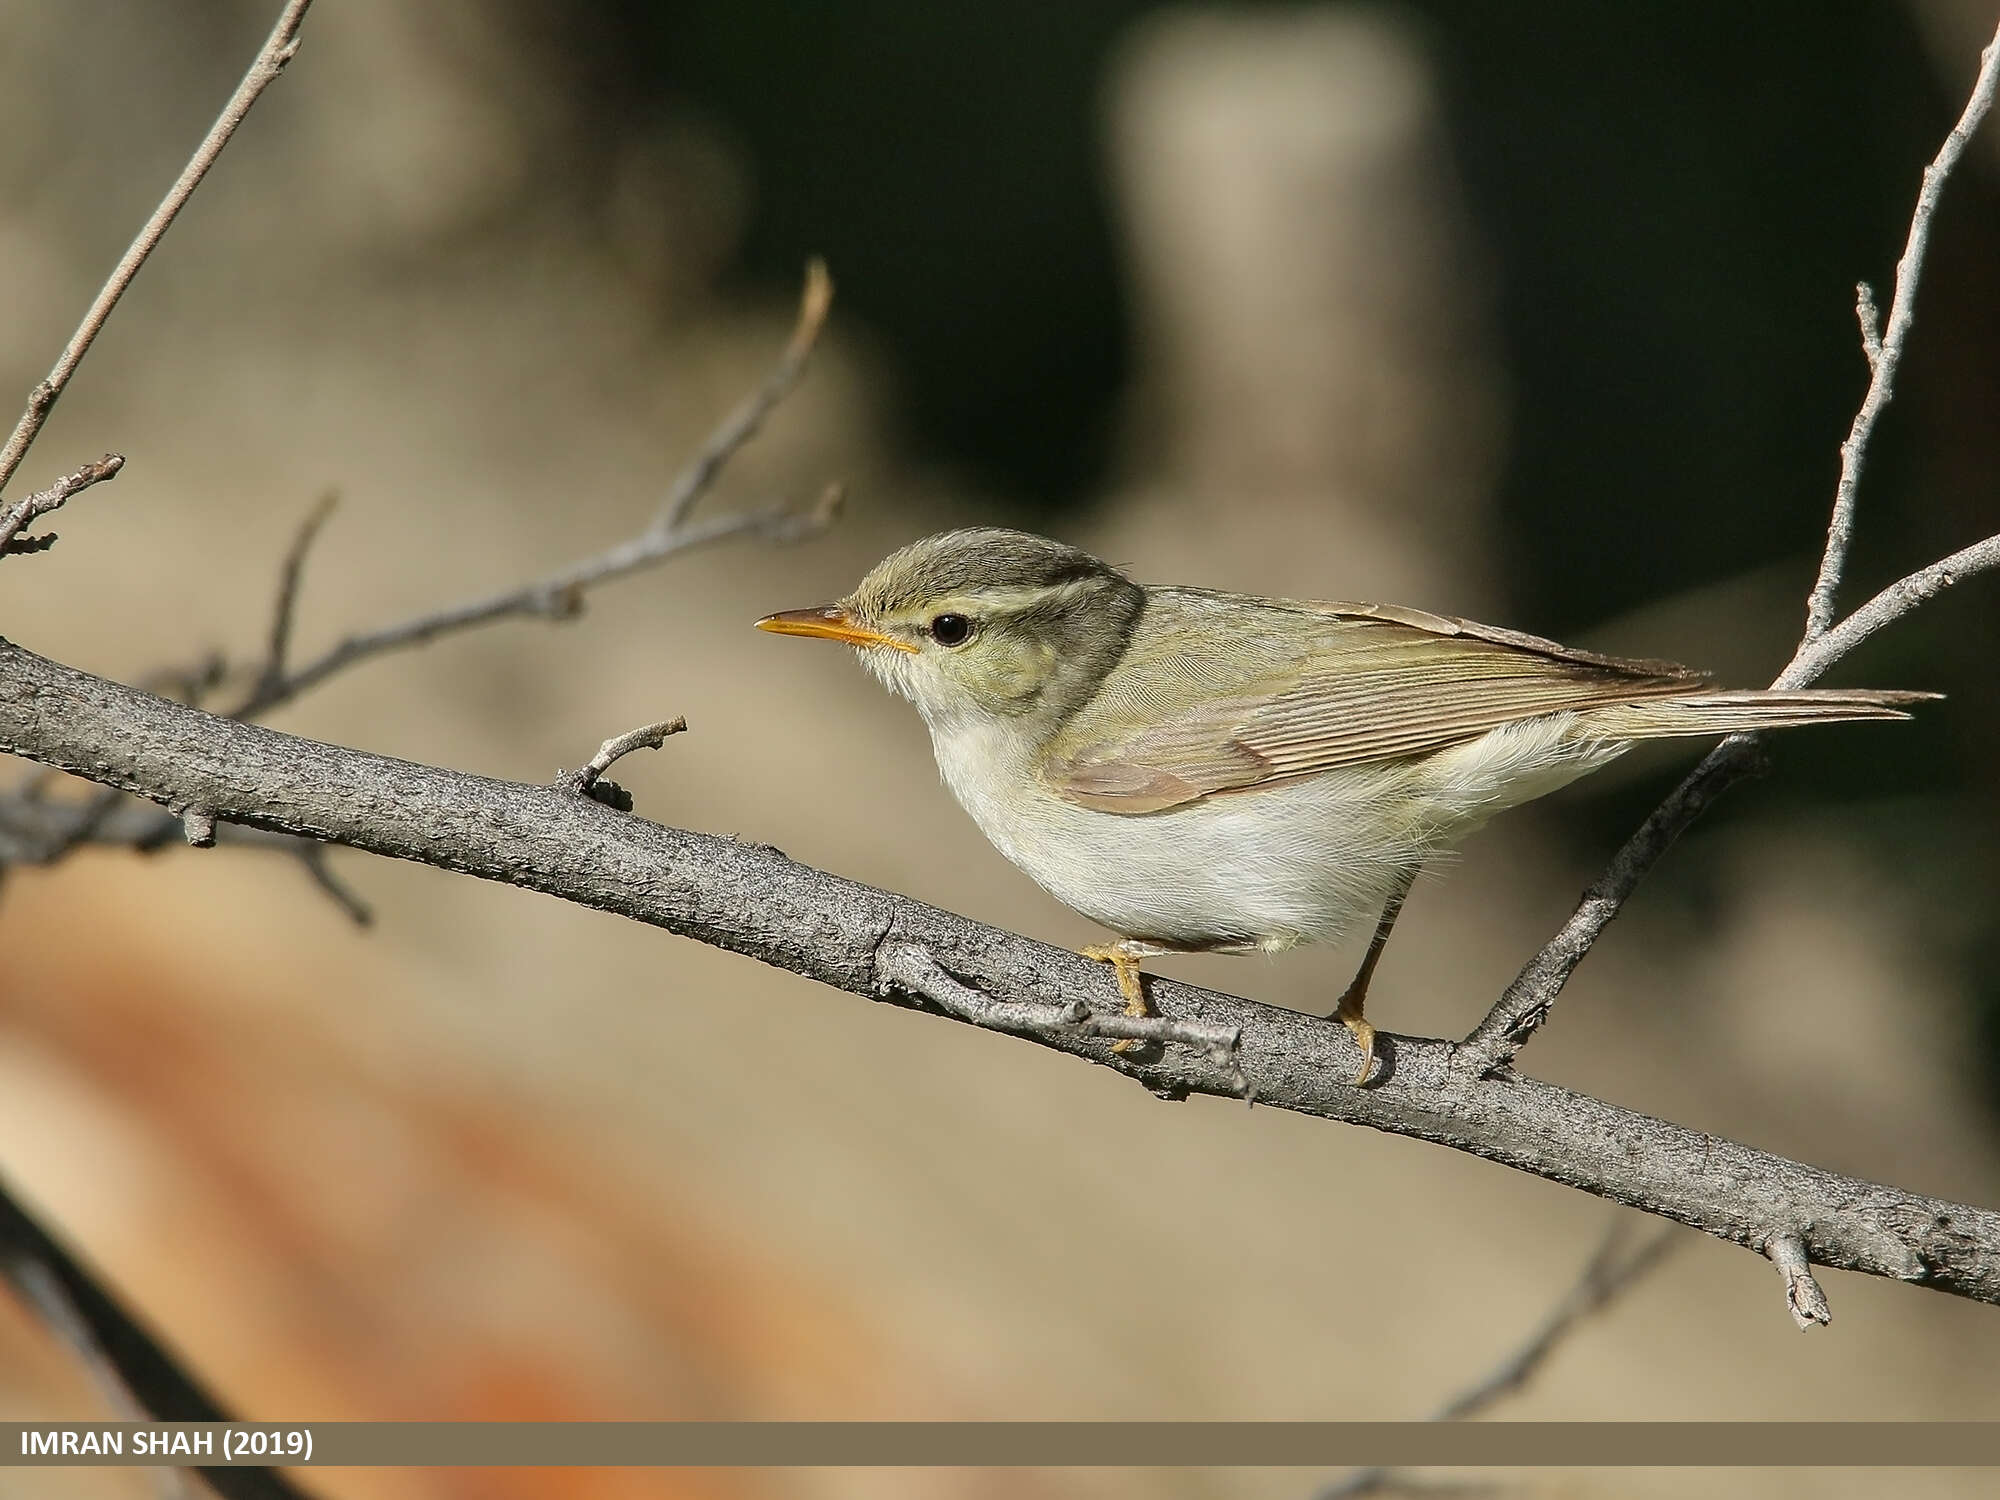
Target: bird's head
column 983, row 624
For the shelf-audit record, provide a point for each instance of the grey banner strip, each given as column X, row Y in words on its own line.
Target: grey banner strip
column 1005, row 1444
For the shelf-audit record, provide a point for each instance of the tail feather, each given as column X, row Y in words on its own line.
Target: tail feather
column 1736, row 712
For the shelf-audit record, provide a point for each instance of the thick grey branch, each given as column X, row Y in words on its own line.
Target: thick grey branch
column 753, row 901
column 278, row 49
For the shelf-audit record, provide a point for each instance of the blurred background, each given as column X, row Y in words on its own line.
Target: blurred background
column 1537, row 314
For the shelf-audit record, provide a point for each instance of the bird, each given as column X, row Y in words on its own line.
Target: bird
column 1207, row 772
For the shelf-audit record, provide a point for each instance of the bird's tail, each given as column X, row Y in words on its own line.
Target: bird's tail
column 1735, row 712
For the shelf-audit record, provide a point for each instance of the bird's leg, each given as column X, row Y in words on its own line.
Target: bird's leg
column 1124, row 959
column 1348, row 1012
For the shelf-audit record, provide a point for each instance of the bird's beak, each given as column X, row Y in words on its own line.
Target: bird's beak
column 832, row 623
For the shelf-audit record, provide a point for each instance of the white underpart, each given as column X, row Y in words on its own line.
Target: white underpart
column 1267, row 868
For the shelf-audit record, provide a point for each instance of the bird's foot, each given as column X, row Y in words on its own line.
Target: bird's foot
column 1124, row 961
column 1348, row 1013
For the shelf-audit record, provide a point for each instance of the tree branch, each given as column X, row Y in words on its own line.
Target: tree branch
column 1524, row 1006
column 587, row 780
column 815, row 301
column 559, row 596
column 751, row 900
column 286, row 609
column 1884, row 349
column 1802, row 1293
column 278, row 49
column 42, row 502
column 1608, row 1275
column 81, row 1311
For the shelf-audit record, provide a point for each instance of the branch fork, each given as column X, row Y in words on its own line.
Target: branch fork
column 915, row 970
column 39, row 504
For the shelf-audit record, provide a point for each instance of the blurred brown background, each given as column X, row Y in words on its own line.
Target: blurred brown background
column 1537, row 313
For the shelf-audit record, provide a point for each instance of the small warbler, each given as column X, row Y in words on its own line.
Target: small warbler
column 1209, row 772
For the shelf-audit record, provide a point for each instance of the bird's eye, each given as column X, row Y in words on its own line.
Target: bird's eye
column 951, row 630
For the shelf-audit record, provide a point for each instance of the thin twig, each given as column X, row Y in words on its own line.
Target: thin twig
column 559, row 596
column 1524, row 1006
column 1885, row 355
column 40, row 1288
column 1804, row 1298
column 288, row 589
column 312, row 854
column 43, row 501
column 1608, row 1275
column 741, row 425
column 90, row 1317
column 578, row 783
column 278, row 49
column 1813, row 658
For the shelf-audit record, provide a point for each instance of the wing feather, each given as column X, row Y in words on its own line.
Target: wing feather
column 1223, row 692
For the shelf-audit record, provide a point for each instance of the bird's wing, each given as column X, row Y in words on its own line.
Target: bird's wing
column 1222, row 692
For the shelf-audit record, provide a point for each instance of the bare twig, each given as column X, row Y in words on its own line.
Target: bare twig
column 278, row 49
column 1885, row 354
column 288, row 590
column 1525, row 1005
column 583, row 780
column 117, row 1344
column 741, row 425
column 42, row 502
column 1609, row 1273
column 41, row 1289
column 1811, row 661
column 1803, row 1297
column 559, row 596
column 312, row 855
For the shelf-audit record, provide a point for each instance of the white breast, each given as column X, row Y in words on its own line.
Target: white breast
column 1298, row 861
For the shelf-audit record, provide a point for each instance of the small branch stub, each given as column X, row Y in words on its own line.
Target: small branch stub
column 1870, row 319
column 1804, row 1296
column 17, row 516
column 585, row 780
